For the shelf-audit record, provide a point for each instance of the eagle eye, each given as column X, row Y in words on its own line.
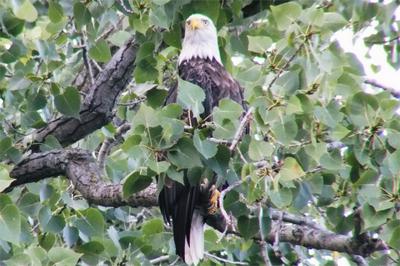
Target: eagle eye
column 205, row 21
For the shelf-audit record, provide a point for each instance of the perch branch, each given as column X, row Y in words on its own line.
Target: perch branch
column 82, row 170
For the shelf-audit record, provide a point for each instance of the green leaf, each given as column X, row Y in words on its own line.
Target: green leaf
column 394, row 241
column 13, row 25
column 47, row 241
column 63, row 256
column 158, row 166
column 19, row 259
column 184, row 155
column 69, row 102
column 50, row 223
column 92, row 223
column 146, row 116
column 23, row 9
column 153, row 226
column 281, row 198
column 285, row 14
column 38, row 101
column 226, row 117
column 10, row 223
column 91, row 248
column 50, row 143
column 56, row 12
column 100, row 51
column 207, row 148
column 259, row 150
column 160, row 2
column 30, row 204
column 362, row 109
column 248, row 227
column 175, row 175
column 291, row 170
column 81, row 15
column 32, row 119
column 285, row 131
column 140, row 23
column 159, row 18
column 259, row 44
column 373, row 218
column 333, row 21
column 135, row 182
column 5, row 179
column 191, row 96
column 70, row 235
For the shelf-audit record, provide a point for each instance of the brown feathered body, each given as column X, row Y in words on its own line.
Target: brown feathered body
column 179, row 203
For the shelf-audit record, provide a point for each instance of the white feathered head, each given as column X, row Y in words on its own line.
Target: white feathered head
column 200, row 39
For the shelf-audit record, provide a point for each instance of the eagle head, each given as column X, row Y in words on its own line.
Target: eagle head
column 200, row 39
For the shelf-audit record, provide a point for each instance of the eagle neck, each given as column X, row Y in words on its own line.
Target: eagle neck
column 204, row 50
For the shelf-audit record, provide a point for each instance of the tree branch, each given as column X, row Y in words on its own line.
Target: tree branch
column 376, row 84
column 80, row 167
column 97, row 107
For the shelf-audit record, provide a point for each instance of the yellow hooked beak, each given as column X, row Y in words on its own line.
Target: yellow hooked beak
column 194, row 24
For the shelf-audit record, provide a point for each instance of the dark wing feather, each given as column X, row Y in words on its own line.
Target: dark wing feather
column 177, row 201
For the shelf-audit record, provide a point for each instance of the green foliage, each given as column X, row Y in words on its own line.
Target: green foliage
column 69, row 102
column 327, row 145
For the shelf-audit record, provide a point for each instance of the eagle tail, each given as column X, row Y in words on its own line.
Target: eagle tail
column 194, row 248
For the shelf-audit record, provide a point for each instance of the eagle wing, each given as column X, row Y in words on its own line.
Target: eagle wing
column 177, row 201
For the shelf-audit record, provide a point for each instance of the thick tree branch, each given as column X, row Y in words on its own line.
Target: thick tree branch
column 97, row 107
column 81, row 168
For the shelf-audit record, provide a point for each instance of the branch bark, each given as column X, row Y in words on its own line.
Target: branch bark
column 81, row 169
column 97, row 107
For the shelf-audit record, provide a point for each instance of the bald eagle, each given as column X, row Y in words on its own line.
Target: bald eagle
column 199, row 63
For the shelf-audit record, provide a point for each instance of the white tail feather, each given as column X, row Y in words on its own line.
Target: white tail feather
column 195, row 251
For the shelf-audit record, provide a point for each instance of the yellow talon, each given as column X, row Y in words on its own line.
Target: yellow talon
column 214, row 198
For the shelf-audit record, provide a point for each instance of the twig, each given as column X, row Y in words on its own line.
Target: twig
column 284, row 66
column 219, row 141
column 384, row 41
column 159, row 259
column 263, row 243
column 125, row 7
column 276, row 240
column 109, row 143
column 246, row 118
column 86, row 60
column 107, row 32
column 134, row 103
column 241, row 156
column 225, row 260
column 376, row 84
column 359, row 260
column 293, row 219
column 99, row 68
column 227, row 217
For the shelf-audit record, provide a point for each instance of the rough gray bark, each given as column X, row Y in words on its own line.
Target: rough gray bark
column 97, row 107
column 81, row 168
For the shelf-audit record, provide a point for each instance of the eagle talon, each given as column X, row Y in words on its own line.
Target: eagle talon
column 214, row 199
